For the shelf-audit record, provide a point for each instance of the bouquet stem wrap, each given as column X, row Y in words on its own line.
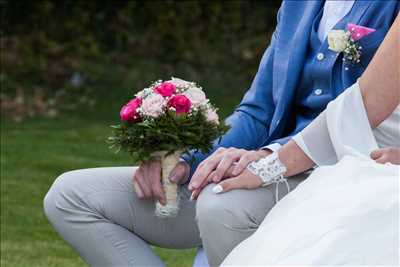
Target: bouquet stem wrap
column 168, row 162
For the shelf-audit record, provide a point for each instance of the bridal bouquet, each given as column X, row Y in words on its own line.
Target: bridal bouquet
column 165, row 120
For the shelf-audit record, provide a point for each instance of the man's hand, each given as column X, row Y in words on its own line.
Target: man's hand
column 223, row 163
column 388, row 154
column 147, row 179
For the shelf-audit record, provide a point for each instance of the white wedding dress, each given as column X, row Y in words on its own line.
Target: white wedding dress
column 347, row 211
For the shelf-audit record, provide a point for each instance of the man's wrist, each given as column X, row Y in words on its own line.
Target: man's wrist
column 272, row 147
column 264, row 152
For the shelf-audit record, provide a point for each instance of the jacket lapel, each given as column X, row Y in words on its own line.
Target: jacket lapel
column 356, row 13
column 358, row 10
column 291, row 51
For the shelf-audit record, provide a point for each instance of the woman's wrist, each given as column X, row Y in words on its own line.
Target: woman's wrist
column 269, row 168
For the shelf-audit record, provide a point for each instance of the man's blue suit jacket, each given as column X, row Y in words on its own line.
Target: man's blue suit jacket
column 262, row 115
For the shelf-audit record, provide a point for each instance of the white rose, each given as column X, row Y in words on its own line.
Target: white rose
column 196, row 96
column 212, row 116
column 153, row 105
column 337, row 40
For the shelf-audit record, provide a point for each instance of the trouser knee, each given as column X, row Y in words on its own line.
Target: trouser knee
column 63, row 196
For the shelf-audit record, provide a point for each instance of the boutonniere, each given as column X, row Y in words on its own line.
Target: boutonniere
column 346, row 42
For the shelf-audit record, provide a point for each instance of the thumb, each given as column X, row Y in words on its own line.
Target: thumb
column 228, row 185
column 180, row 173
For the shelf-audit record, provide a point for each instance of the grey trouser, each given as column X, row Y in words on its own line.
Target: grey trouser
column 98, row 213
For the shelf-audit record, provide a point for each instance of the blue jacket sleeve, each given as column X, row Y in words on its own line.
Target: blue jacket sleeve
column 250, row 121
column 282, row 141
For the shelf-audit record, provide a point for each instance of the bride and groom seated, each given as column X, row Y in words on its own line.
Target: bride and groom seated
column 344, row 213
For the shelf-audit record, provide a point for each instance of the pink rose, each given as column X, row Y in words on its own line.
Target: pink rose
column 358, row 32
column 153, row 105
column 181, row 104
column 165, row 89
column 128, row 112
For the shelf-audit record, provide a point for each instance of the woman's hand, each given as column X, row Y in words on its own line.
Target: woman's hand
column 385, row 155
column 223, row 163
column 245, row 180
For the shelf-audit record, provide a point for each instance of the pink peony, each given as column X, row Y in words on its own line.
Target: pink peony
column 181, row 104
column 212, row 116
column 165, row 89
column 129, row 111
column 358, row 32
column 153, row 105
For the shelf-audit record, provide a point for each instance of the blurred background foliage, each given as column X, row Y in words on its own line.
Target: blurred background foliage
column 67, row 54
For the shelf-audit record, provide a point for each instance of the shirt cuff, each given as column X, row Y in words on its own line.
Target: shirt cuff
column 273, row 147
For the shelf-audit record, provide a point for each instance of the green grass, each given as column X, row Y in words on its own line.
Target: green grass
column 33, row 154
column 36, row 151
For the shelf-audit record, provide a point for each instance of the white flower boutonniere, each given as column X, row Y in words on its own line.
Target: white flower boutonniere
column 346, row 42
column 337, row 40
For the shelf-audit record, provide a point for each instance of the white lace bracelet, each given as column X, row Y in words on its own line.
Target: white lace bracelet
column 270, row 169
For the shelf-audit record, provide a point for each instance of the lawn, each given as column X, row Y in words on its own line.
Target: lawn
column 114, row 49
column 33, row 154
column 35, row 151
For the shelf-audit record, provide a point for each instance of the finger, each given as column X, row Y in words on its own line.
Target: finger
column 206, row 182
column 205, row 167
column 227, row 161
column 395, row 155
column 140, row 180
column 229, row 172
column 249, row 157
column 138, row 191
column 136, row 187
column 230, row 184
column 156, row 188
column 203, row 171
column 174, row 174
column 383, row 159
column 244, row 161
column 376, row 154
column 180, row 173
column 149, row 171
column 159, row 193
column 211, row 176
column 196, row 192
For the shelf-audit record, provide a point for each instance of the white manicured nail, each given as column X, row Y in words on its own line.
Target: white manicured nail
column 217, row 189
column 191, row 197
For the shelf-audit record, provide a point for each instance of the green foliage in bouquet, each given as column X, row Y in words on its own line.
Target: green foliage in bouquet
column 170, row 132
